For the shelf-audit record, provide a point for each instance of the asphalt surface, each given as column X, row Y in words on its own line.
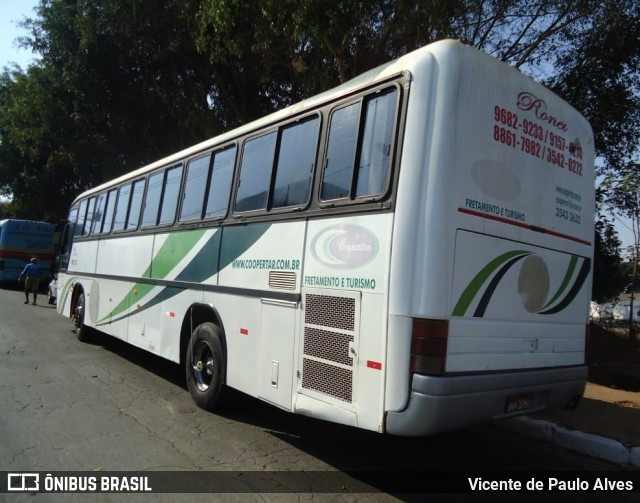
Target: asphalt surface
column 106, row 406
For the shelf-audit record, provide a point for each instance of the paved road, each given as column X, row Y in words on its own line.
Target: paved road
column 104, row 405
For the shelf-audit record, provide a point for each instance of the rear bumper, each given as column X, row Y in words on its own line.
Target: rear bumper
column 439, row 404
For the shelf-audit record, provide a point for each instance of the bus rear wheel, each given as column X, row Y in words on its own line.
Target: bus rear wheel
column 205, row 366
column 77, row 315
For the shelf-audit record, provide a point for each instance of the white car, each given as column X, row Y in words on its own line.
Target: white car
column 52, row 290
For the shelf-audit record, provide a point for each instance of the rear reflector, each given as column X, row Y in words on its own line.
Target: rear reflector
column 429, row 346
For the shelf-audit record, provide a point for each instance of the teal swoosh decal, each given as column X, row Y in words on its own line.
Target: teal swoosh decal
column 239, row 239
column 204, row 265
column 172, row 251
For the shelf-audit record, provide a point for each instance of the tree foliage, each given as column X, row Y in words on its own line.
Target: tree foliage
column 610, row 274
column 122, row 83
column 621, row 191
column 118, row 85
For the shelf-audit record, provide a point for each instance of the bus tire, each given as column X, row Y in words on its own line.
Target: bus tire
column 82, row 331
column 205, row 366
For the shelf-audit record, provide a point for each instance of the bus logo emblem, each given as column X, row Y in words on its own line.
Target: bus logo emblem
column 345, row 246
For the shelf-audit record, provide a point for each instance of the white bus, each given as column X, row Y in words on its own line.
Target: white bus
column 407, row 253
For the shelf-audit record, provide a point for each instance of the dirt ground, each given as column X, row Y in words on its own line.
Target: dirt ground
column 614, row 359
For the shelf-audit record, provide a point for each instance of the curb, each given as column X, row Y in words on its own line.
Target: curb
column 585, row 443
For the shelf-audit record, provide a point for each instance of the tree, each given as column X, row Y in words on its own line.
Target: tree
column 622, row 193
column 123, row 83
column 587, row 51
column 119, row 84
column 598, row 72
column 36, row 124
column 609, row 273
column 5, row 210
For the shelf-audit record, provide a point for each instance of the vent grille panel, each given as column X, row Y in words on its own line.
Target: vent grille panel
column 327, row 345
column 327, row 379
column 330, row 335
column 282, row 280
column 329, row 311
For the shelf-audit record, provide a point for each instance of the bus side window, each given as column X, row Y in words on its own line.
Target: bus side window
column 294, row 168
column 360, row 136
column 152, row 201
column 82, row 213
column 67, row 238
column 194, row 188
column 170, row 195
column 136, row 205
column 375, row 152
column 99, row 213
column 220, row 182
column 109, row 212
column 89, row 220
column 255, row 173
column 121, row 208
column 343, row 136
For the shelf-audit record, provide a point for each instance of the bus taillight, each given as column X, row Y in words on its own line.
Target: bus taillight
column 429, row 346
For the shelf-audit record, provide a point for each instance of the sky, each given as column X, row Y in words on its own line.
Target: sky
column 13, row 11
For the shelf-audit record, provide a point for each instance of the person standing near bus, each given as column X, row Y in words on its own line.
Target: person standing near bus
column 32, row 272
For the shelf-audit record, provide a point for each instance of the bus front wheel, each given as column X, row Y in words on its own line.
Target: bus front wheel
column 205, row 366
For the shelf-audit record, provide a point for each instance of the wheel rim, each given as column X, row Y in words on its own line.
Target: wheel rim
column 79, row 317
column 202, row 365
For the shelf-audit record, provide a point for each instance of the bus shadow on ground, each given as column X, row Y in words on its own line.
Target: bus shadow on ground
column 315, row 436
column 363, row 459
column 157, row 365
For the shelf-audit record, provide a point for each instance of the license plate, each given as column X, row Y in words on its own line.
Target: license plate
column 519, row 403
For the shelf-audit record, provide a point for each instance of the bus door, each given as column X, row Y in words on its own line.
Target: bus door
column 276, row 358
column 263, row 261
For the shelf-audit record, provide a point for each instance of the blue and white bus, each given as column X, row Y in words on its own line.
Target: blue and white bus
column 409, row 252
column 22, row 240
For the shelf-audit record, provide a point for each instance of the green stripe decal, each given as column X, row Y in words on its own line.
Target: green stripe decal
column 174, row 249
column 66, row 288
column 210, row 260
column 565, row 281
column 476, row 283
column 200, row 268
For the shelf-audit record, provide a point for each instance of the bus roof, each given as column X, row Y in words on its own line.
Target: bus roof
column 370, row 77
